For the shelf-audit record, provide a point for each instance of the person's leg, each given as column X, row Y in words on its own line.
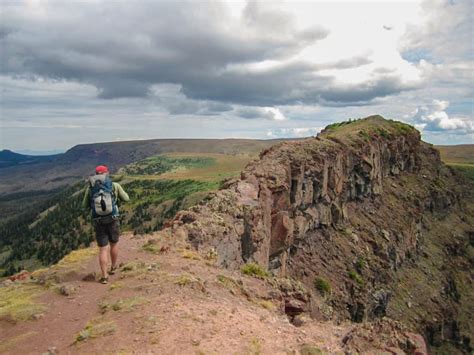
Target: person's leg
column 114, row 235
column 114, row 254
column 102, row 242
column 104, row 260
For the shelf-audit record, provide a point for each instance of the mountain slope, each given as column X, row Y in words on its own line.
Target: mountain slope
column 365, row 214
column 9, row 158
column 167, row 299
column 362, row 226
column 79, row 161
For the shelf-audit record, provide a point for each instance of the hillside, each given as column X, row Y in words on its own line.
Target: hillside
column 367, row 214
column 457, row 154
column 48, row 228
column 9, row 158
column 350, row 242
column 72, row 166
column 459, row 157
column 168, row 299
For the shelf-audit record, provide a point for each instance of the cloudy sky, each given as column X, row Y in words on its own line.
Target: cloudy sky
column 86, row 71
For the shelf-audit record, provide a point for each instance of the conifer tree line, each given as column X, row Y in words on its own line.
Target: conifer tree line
column 49, row 230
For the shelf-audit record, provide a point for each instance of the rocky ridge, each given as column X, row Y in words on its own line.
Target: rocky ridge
column 358, row 214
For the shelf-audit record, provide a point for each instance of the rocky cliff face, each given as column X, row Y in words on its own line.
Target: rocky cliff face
column 365, row 215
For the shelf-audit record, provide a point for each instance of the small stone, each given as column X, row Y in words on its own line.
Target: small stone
column 67, row 290
column 89, row 277
column 7, row 283
column 409, row 304
column 196, row 342
column 299, row 320
column 355, row 238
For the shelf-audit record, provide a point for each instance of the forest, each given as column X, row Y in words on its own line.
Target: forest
column 45, row 231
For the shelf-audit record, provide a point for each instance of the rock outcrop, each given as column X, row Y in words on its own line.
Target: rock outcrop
column 363, row 206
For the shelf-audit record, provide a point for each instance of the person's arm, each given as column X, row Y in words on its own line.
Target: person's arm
column 86, row 198
column 120, row 193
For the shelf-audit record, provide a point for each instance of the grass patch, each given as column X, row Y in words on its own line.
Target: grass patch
column 365, row 135
column 185, row 279
column 457, row 154
column 267, row 305
column 96, row 329
column 188, row 254
column 152, row 247
column 307, row 349
column 255, row 346
column 322, row 285
column 160, row 164
column 336, row 125
column 400, row 127
column 465, row 169
column 77, row 257
column 360, row 264
column 127, row 304
column 193, row 282
column 255, row 270
column 116, row 285
column 133, row 268
column 353, row 275
column 17, row 302
column 234, row 286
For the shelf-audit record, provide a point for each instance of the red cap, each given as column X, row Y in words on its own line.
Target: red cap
column 101, row 169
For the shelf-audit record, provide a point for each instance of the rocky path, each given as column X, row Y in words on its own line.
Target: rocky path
column 171, row 301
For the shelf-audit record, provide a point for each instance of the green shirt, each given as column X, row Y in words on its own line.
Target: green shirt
column 118, row 191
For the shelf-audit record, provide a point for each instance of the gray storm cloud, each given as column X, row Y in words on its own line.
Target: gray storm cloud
column 124, row 48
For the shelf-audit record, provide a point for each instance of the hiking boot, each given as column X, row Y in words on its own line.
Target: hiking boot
column 112, row 270
column 104, row 280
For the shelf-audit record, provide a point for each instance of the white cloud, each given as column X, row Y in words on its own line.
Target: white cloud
column 433, row 117
column 269, row 113
column 294, row 132
column 233, row 68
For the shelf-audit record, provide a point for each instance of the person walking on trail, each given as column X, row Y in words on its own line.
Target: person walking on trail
column 101, row 196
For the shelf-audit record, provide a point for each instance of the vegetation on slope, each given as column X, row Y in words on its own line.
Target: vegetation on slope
column 157, row 165
column 366, row 129
column 460, row 158
column 42, row 232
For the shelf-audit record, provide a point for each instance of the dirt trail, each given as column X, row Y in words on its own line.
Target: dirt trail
column 167, row 303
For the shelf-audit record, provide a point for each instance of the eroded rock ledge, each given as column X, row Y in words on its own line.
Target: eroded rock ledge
column 365, row 209
column 294, row 188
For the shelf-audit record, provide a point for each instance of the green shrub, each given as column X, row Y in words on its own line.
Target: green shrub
column 336, row 125
column 364, row 134
column 353, row 275
column 254, row 270
column 96, row 329
column 360, row 264
column 384, row 133
column 401, row 127
column 322, row 285
column 307, row 349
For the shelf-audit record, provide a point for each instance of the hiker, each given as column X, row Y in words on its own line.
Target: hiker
column 101, row 196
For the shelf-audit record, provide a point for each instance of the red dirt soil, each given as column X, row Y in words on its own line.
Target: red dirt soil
column 181, row 308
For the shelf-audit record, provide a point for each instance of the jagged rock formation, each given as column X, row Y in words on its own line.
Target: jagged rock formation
column 367, row 208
